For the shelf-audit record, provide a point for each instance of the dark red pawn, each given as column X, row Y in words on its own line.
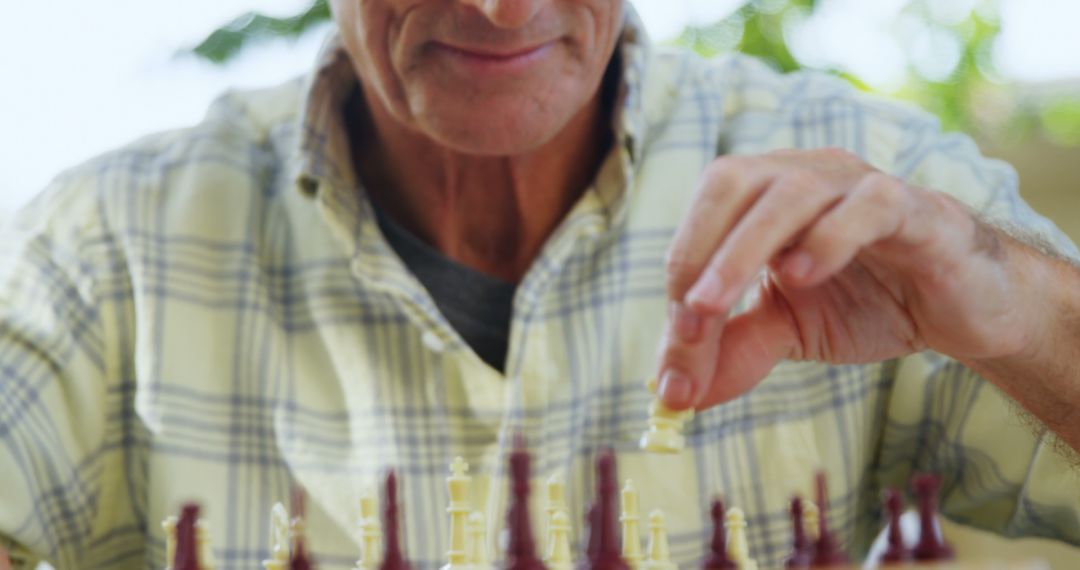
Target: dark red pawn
column 718, row 558
column 826, row 552
column 896, row 552
column 187, row 552
column 930, row 546
column 393, row 559
column 802, row 551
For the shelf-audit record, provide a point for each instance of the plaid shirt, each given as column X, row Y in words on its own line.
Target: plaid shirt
column 212, row 314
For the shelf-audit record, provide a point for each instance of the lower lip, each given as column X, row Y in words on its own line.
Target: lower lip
column 495, row 64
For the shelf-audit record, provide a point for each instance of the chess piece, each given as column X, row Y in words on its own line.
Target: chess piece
column 802, row 551
column 202, row 544
column 718, row 558
column 521, row 550
column 603, row 529
column 592, row 542
column 826, row 551
column 659, row 551
column 370, row 533
column 392, row 559
column 896, row 552
column 930, row 545
column 279, row 539
column 631, row 539
column 187, row 553
column 168, row 526
column 559, row 556
column 810, row 521
column 665, row 426
column 458, row 487
column 738, row 547
column 297, row 529
column 478, row 546
column 556, row 501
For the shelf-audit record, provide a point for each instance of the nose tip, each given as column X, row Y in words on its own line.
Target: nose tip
column 508, row 13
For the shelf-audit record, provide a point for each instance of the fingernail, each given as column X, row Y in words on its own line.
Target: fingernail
column 687, row 324
column 676, row 389
column 799, row 265
column 709, row 291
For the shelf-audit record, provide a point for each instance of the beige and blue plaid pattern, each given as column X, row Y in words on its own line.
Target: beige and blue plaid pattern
column 212, row 314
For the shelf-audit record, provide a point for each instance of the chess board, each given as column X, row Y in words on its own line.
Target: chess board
column 613, row 535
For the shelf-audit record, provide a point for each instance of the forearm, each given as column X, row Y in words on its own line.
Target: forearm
column 1044, row 377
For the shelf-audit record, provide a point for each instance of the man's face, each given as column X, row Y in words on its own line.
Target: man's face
column 487, row 77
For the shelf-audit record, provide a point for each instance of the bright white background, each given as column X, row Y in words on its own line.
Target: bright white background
column 78, row 78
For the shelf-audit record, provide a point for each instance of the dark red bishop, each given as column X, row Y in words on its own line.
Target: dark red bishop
column 718, row 558
column 605, row 552
column 521, row 548
column 187, row 552
column 826, row 552
column 299, row 559
column 393, row 559
column 802, row 550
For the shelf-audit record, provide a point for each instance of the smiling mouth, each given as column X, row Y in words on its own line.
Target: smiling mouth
column 494, row 60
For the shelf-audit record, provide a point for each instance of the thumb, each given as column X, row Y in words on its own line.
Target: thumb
column 688, row 355
column 754, row 342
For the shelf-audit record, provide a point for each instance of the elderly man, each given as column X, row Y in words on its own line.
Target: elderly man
column 473, row 219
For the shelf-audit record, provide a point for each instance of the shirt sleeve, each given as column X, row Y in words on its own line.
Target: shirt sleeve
column 1001, row 470
column 62, row 439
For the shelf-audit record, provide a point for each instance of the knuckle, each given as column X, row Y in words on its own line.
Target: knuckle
column 727, row 167
column 680, row 275
column 883, row 190
column 797, row 183
column 840, row 154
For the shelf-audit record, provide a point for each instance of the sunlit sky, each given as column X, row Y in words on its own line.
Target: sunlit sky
column 79, row 77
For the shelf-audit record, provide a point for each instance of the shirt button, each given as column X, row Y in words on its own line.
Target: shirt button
column 432, row 341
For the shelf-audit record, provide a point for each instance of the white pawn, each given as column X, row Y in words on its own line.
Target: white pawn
column 370, row 533
column 202, row 545
column 631, row 539
column 659, row 551
column 556, row 501
column 477, row 534
column 665, row 426
column 458, row 486
column 279, row 539
column 737, row 548
column 810, row 520
column 169, row 527
column 558, row 555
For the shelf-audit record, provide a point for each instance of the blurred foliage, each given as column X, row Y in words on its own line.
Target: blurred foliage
column 224, row 43
column 967, row 93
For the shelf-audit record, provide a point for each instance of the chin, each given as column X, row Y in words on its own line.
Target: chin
column 496, row 128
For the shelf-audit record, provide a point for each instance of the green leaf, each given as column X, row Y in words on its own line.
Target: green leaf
column 223, row 44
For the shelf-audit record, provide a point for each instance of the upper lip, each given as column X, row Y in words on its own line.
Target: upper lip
column 495, row 51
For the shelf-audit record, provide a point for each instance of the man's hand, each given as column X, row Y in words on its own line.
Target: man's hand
column 859, row 267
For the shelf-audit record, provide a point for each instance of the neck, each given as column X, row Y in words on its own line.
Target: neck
column 491, row 213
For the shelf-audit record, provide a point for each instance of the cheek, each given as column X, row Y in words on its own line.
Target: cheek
column 368, row 30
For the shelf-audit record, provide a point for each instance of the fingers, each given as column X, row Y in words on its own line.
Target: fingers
column 789, row 205
column 875, row 210
column 688, row 355
column 729, row 186
column 754, row 342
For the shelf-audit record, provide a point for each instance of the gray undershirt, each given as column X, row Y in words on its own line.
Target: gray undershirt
column 477, row 305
